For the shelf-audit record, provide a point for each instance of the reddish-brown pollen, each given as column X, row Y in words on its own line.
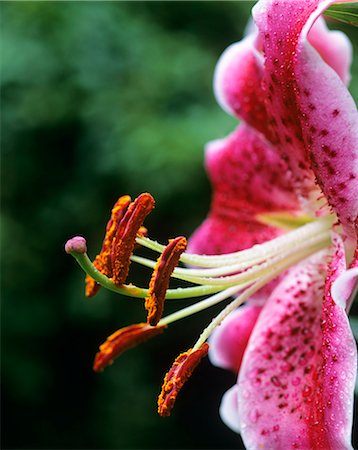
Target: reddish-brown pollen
column 124, row 240
column 122, row 340
column 118, row 212
column 103, row 262
column 159, row 282
column 178, row 374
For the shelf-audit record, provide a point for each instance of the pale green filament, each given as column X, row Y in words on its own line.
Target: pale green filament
column 284, row 220
column 276, row 270
column 200, row 306
column 256, row 253
column 250, row 275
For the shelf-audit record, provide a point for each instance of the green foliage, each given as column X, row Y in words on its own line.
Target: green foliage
column 99, row 99
column 346, row 13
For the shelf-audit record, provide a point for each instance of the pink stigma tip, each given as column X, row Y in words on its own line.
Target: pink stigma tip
column 76, row 245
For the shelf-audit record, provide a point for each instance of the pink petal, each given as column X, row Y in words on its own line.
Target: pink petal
column 218, row 235
column 297, row 377
column 330, row 153
column 237, row 84
column 247, row 177
column 345, row 286
column 229, row 409
column 239, row 73
column 334, row 48
column 316, row 122
column 229, row 340
column 339, row 353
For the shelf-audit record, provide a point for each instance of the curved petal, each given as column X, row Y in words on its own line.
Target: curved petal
column 334, row 48
column 333, row 146
column 237, row 84
column 239, row 73
column 248, row 178
column 297, row 377
column 344, row 287
column 229, row 409
column 316, row 121
column 229, row 340
column 339, row 353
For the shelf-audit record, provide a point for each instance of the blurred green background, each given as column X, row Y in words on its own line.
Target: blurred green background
column 100, row 99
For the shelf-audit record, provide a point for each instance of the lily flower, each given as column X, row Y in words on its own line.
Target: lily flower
column 281, row 236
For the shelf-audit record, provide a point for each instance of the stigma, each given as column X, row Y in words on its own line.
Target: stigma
column 236, row 276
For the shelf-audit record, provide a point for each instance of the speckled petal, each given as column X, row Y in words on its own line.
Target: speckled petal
column 316, row 121
column 334, row 48
column 239, row 73
column 297, row 377
column 247, row 178
column 237, row 84
column 229, row 340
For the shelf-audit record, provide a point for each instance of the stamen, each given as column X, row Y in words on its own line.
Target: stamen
column 142, row 232
column 125, row 238
column 257, row 253
column 275, row 271
column 159, row 282
column 178, row 374
column 122, row 340
column 224, row 276
column 118, row 213
column 103, row 261
column 200, row 306
column 252, row 273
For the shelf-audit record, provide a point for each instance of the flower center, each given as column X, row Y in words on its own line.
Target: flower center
column 240, row 274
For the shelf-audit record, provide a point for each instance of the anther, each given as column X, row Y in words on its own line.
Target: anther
column 125, row 238
column 159, row 282
column 118, row 213
column 142, row 232
column 122, row 340
column 178, row 374
column 103, row 261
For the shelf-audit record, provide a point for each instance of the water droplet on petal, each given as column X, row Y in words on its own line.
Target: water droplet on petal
column 254, row 415
column 306, row 390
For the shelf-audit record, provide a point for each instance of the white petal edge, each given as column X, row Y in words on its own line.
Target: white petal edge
column 344, row 287
column 229, row 409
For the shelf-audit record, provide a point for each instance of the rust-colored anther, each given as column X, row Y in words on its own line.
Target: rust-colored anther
column 122, row 340
column 142, row 232
column 118, row 212
column 124, row 241
column 103, row 262
column 178, row 374
column 159, row 282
